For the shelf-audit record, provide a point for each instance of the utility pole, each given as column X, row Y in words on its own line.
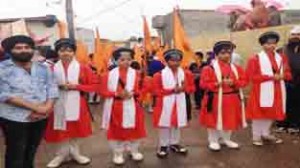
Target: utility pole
column 70, row 18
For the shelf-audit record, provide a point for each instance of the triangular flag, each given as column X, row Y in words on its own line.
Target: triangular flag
column 82, row 52
column 160, row 52
column 181, row 41
column 147, row 36
column 99, row 55
column 138, row 54
column 108, row 50
column 156, row 43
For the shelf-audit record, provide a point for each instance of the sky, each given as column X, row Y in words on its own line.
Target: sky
column 115, row 19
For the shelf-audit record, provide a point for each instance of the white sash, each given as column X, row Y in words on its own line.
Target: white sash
column 267, row 89
column 169, row 81
column 67, row 107
column 242, row 97
column 129, row 109
column 218, row 74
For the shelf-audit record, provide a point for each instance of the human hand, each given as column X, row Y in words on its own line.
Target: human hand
column 228, row 81
column 70, row 86
column 278, row 77
column 42, row 109
column 35, row 116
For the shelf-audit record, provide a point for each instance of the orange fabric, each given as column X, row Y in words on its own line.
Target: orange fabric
column 159, row 49
column 108, row 50
column 138, row 54
column 146, row 90
column 181, row 41
column 99, row 55
column 82, row 53
column 62, row 29
column 160, row 53
column 156, row 44
column 147, row 36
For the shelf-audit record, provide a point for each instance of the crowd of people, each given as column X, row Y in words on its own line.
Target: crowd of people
column 48, row 99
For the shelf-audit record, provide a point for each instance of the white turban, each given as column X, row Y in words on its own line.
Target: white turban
column 295, row 30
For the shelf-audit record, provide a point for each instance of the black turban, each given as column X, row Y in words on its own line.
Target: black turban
column 219, row 46
column 173, row 53
column 9, row 43
column 66, row 43
column 117, row 52
column 51, row 54
column 263, row 38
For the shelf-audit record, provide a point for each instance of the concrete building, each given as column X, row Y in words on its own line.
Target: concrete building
column 198, row 22
column 86, row 36
column 40, row 26
column 48, row 25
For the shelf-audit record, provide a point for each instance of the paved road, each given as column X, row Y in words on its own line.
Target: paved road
column 286, row 155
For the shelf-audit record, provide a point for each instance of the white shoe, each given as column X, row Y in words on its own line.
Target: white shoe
column 258, row 142
column 80, row 159
column 56, row 162
column 231, row 144
column 137, row 156
column 83, row 160
column 214, row 146
column 118, row 159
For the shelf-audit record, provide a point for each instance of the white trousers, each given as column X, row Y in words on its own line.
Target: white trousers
column 261, row 128
column 169, row 136
column 121, row 146
column 91, row 97
column 215, row 135
column 68, row 147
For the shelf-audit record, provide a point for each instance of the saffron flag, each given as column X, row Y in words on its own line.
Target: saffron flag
column 99, row 55
column 82, row 52
column 181, row 41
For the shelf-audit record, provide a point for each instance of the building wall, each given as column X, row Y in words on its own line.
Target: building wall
column 246, row 41
column 195, row 22
column 39, row 29
column 87, row 37
column 201, row 22
column 290, row 17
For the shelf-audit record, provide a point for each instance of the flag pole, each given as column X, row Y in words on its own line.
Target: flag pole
column 70, row 18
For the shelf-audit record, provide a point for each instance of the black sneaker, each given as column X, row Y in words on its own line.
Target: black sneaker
column 178, row 149
column 163, row 152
